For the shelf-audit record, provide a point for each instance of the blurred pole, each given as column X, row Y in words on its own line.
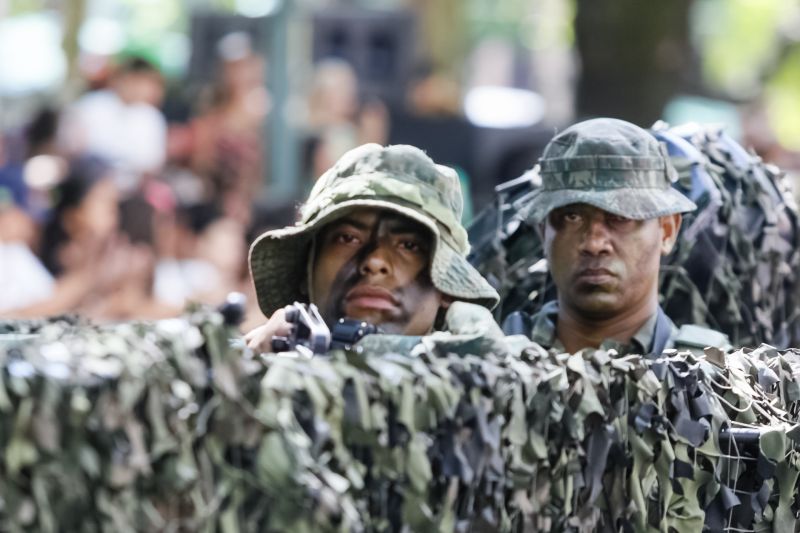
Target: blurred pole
column 635, row 56
column 446, row 49
column 73, row 14
column 279, row 138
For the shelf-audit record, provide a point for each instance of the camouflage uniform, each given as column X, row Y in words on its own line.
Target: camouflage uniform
column 401, row 179
column 620, row 168
column 657, row 334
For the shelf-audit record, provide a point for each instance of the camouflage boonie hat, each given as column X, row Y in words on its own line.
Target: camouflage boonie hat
column 612, row 165
column 399, row 178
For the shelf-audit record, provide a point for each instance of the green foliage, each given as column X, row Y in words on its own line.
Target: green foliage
column 20, row 7
column 535, row 25
column 749, row 50
column 783, row 100
column 737, row 40
column 170, row 426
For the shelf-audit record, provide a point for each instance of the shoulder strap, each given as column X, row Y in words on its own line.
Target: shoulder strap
column 692, row 336
column 518, row 323
column 662, row 332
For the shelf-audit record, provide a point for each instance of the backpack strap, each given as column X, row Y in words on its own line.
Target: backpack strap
column 662, row 333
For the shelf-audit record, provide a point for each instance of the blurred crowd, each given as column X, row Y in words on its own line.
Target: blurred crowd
column 110, row 211
column 113, row 210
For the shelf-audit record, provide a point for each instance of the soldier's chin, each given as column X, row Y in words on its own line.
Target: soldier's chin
column 598, row 305
column 367, row 314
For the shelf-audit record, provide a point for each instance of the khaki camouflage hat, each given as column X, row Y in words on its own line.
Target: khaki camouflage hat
column 610, row 164
column 399, row 178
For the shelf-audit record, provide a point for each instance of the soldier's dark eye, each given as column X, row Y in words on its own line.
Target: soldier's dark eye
column 345, row 238
column 617, row 220
column 410, row 245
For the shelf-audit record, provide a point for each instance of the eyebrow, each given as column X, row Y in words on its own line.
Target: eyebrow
column 397, row 225
column 402, row 225
column 416, row 232
column 346, row 221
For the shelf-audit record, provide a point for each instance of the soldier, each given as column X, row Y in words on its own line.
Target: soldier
column 379, row 239
column 608, row 213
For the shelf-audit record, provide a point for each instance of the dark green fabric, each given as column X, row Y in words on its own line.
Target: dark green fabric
column 173, row 427
column 611, row 164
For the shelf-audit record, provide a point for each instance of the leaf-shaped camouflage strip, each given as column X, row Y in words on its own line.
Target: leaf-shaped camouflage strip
column 130, row 427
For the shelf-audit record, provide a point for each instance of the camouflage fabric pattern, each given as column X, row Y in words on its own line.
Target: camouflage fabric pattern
column 610, row 164
column 399, row 178
column 169, row 427
column 735, row 263
column 735, row 266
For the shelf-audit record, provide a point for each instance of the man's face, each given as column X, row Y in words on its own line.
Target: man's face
column 604, row 264
column 140, row 88
column 372, row 265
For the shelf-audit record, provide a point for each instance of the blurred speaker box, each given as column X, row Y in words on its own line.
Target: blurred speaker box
column 379, row 45
column 207, row 28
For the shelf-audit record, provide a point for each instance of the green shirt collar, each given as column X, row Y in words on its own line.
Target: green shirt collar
column 544, row 333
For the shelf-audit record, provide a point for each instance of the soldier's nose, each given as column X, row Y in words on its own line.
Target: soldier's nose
column 376, row 261
column 595, row 238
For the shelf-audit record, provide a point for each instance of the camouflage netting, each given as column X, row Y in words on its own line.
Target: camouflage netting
column 169, row 427
column 735, row 265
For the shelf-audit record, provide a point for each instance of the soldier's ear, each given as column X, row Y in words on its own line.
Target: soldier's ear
column 446, row 301
column 670, row 227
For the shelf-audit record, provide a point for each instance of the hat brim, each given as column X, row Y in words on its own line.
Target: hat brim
column 634, row 203
column 279, row 259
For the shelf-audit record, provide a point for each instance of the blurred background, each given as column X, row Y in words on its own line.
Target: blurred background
column 145, row 143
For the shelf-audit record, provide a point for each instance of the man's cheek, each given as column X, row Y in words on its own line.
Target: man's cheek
column 648, row 252
column 342, row 280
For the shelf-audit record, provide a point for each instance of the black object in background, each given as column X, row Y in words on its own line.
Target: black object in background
column 379, row 45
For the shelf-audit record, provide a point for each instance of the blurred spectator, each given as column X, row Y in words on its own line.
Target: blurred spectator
column 337, row 122
column 78, row 243
column 17, row 147
column 40, row 163
column 759, row 134
column 84, row 218
column 121, row 124
column 13, row 193
column 333, row 99
column 180, row 276
column 226, row 149
column 132, row 297
column 434, row 94
column 202, row 256
column 41, row 133
column 223, row 246
column 23, row 279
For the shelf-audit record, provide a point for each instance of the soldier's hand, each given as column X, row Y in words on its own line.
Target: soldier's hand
column 260, row 338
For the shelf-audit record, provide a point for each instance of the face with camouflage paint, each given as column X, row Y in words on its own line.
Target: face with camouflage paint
column 373, row 265
column 605, row 265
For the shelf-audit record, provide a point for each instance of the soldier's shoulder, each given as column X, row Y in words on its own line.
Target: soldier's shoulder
column 464, row 318
column 696, row 338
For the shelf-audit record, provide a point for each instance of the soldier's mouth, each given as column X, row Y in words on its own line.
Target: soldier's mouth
column 370, row 297
column 595, row 276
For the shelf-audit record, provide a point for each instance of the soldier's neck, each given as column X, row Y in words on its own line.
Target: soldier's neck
column 576, row 331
